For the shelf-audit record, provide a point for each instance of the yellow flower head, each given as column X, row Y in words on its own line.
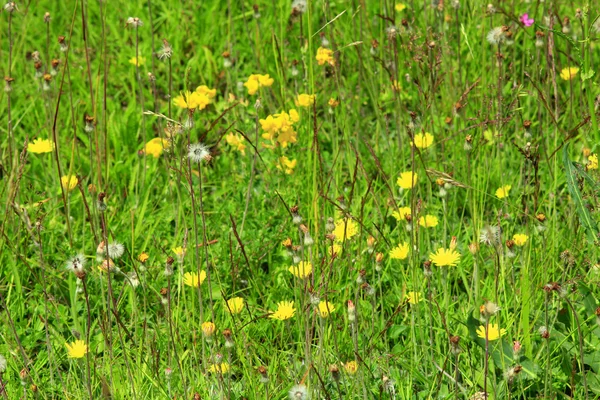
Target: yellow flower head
column 294, row 116
column 302, row 270
column 252, row 85
column 592, row 162
column 325, row 308
column 77, row 349
column 407, row 180
column 401, row 214
column 400, row 252
column 155, row 147
column 137, row 60
column 493, row 332
column 69, row 182
column 40, row 146
column 423, row 140
column 208, row 329
column 143, row 257
column 325, row 56
column 285, row 310
column 255, row 81
column 235, row 305
column 520, row 239
column 445, row 257
column 305, row 100
column 287, row 165
column 265, row 80
column 236, row 141
column 179, row 252
column 400, row 7
column 205, row 90
column 192, row 278
column 502, row 191
column 345, row 229
column 569, row 73
column 413, row 297
column 428, row 221
column 221, row 368
column 351, row 367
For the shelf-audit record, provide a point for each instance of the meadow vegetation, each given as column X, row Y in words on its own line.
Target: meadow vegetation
column 321, row 199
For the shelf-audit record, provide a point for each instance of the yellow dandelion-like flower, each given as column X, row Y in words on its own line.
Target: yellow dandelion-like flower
column 265, row 80
column 252, row 85
column 137, row 60
column 221, row 368
column 569, row 73
column 305, row 100
column 235, row 305
column 208, row 329
column 285, row 310
column 400, row 252
column 445, row 257
column 400, row 7
column 302, row 270
column 192, row 278
column 155, row 147
column 69, row 182
column 325, row 308
column 407, row 180
column 40, row 146
column 287, row 165
column 179, row 251
column 325, row 56
column 345, row 229
column 502, row 191
column 143, row 257
column 236, row 141
column 401, row 214
column 294, row 116
column 208, row 92
column 413, row 297
column 520, row 239
column 77, row 349
column 428, row 221
column 423, row 140
column 351, row 367
column 493, row 332
column 592, row 162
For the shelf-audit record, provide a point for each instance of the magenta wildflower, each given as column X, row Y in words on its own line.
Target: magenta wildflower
column 526, row 20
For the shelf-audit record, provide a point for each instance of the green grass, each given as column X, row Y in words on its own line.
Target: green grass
column 396, row 74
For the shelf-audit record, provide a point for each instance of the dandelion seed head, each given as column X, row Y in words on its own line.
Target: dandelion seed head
column 198, row 152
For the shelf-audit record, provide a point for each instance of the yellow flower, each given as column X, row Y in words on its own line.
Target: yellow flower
column 221, row 368
column 428, row 221
column 592, row 162
column 344, row 229
column 208, row 329
column 40, row 146
column 401, row 214
column 265, row 80
column 325, row 308
column 185, row 100
column 252, row 85
column 286, row 135
column 205, row 90
column 192, row 279
column 200, row 100
column 287, row 165
column 423, row 140
column 334, row 248
column 285, row 310
column 235, row 305
column 143, row 257
column 493, row 332
column 77, row 349
column 325, row 56
column 351, row 367
column 137, row 60
column 236, row 141
column 445, row 257
column 179, row 251
column 155, row 147
column 569, row 73
column 520, row 239
column 413, row 297
column 333, row 103
column 305, row 100
column 255, row 81
column 302, row 270
column 400, row 7
column 407, row 180
column 400, row 252
column 502, row 191
column 69, row 182
column 294, row 116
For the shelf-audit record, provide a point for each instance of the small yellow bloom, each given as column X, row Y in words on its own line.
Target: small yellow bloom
column 325, row 56
column 192, row 279
column 520, row 239
column 445, row 257
column 502, row 191
column 252, row 85
column 428, row 221
column 413, row 297
column 285, row 310
column 569, row 73
column 400, row 252
column 205, row 90
column 400, row 7
column 325, row 308
column 143, row 257
column 305, row 100
column 333, row 103
column 401, row 214
column 351, row 367
column 265, row 80
column 155, row 147
column 423, row 140
column 137, row 60
column 287, row 165
column 235, row 305
column 179, row 251
column 493, row 332
column 345, row 229
column 302, row 270
column 40, row 146
column 221, row 368
column 592, row 162
column 236, row 141
column 256, row 81
column 407, row 180
column 208, row 329
column 294, row 116
column 77, row 349
column 69, row 182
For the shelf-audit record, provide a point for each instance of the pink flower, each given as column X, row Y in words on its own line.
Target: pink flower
column 526, row 20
